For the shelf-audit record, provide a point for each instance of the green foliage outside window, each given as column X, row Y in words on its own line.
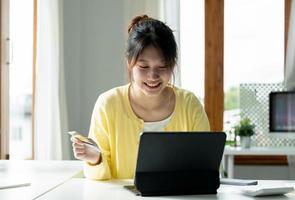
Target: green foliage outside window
column 231, row 99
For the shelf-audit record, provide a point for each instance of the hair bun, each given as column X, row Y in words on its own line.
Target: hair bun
column 135, row 20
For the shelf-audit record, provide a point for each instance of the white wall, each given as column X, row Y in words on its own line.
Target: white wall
column 95, row 34
column 94, row 47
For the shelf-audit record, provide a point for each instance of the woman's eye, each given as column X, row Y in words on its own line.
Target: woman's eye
column 143, row 67
column 163, row 68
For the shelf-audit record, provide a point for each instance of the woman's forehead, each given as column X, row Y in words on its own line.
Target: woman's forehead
column 151, row 53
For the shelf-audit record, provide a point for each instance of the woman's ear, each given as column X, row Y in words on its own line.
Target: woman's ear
column 172, row 78
column 129, row 71
column 130, row 74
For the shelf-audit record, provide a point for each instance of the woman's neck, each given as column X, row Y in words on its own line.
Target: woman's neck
column 148, row 102
column 152, row 108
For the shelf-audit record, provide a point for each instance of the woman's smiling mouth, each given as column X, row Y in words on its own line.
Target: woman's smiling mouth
column 152, row 85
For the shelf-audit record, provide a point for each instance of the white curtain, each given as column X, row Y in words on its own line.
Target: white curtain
column 170, row 14
column 290, row 57
column 51, row 141
column 290, row 73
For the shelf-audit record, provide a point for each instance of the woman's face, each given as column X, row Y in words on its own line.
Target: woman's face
column 150, row 74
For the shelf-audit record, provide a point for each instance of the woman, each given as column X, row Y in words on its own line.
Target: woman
column 148, row 103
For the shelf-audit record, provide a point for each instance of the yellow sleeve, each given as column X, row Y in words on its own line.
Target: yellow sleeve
column 99, row 132
column 201, row 122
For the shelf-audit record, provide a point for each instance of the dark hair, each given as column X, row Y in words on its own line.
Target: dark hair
column 145, row 31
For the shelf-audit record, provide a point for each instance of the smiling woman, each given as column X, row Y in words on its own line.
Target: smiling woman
column 149, row 102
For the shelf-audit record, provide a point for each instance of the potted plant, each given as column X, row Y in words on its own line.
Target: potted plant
column 244, row 129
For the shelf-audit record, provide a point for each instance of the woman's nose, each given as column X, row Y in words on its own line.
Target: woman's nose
column 153, row 73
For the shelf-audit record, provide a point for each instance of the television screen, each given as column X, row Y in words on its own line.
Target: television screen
column 282, row 111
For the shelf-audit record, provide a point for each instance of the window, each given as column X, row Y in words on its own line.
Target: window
column 20, row 79
column 192, row 46
column 253, row 48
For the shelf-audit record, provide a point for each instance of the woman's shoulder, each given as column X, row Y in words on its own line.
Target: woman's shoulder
column 114, row 95
column 184, row 95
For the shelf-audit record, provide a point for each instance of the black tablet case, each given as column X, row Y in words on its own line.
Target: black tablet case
column 179, row 163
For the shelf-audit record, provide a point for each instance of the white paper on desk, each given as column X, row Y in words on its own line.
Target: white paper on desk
column 13, row 184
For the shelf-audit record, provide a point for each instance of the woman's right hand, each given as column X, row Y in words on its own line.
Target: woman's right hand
column 85, row 152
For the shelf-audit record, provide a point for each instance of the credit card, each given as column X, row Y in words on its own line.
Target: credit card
column 81, row 137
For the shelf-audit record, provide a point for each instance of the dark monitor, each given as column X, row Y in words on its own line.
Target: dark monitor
column 282, row 113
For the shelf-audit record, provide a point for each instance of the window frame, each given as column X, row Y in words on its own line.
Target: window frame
column 214, row 76
column 4, row 81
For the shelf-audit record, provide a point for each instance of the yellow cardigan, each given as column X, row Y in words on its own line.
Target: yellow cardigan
column 116, row 129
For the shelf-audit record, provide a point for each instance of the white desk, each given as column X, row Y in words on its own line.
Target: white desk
column 230, row 152
column 79, row 189
column 61, row 180
column 43, row 176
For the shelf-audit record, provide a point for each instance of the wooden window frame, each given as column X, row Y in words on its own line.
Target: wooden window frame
column 214, row 31
column 214, row 77
column 4, row 81
column 34, row 75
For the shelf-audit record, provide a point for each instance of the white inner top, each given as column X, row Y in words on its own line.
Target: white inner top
column 156, row 126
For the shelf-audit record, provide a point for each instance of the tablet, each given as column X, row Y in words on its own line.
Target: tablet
column 173, row 151
column 177, row 163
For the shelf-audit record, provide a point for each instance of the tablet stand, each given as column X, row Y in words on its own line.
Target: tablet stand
column 177, row 182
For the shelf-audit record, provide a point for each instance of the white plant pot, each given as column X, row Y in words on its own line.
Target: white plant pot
column 245, row 141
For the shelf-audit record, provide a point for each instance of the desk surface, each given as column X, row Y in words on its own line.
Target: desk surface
column 79, row 188
column 43, row 176
column 58, row 180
